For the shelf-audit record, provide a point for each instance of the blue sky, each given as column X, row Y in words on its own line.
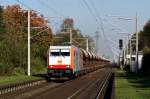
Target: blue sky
column 83, row 19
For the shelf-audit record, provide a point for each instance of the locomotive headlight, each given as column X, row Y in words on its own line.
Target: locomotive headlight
column 67, row 66
column 50, row 66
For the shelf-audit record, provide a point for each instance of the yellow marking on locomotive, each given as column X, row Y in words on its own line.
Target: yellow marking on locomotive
column 59, row 60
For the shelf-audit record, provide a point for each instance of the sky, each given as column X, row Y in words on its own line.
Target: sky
column 102, row 14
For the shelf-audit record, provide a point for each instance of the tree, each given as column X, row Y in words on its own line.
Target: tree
column 144, row 36
column 63, row 38
column 13, row 47
column 1, row 17
column 67, row 24
column 144, row 45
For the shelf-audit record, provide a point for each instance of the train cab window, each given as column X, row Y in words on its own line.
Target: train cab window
column 55, row 52
column 65, row 52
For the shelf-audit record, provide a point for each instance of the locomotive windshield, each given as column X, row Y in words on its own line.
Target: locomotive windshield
column 60, row 52
column 65, row 52
column 55, row 54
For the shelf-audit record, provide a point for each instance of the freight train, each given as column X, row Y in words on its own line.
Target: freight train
column 71, row 61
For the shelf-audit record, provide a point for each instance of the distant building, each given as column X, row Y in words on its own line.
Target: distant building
column 133, row 61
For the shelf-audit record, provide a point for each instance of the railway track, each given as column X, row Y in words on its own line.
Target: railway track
column 90, row 86
column 14, row 87
column 93, row 90
column 27, row 91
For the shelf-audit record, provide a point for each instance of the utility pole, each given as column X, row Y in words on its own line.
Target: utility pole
column 124, row 55
column 97, row 38
column 128, row 46
column 87, row 44
column 29, row 43
column 130, row 53
column 127, row 51
column 70, row 31
column 86, row 40
column 136, row 45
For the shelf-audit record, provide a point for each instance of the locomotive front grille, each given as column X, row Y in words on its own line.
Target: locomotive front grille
column 59, row 72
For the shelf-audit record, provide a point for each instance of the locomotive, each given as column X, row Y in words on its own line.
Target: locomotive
column 71, row 61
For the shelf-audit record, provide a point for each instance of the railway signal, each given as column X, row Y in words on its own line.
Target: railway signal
column 120, row 44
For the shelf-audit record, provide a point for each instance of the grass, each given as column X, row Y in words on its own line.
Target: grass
column 130, row 86
column 5, row 80
column 18, row 74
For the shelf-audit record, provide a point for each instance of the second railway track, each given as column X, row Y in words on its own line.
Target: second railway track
column 95, row 89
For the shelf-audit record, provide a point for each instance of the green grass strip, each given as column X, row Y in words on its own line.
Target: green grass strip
column 130, row 86
column 6, row 80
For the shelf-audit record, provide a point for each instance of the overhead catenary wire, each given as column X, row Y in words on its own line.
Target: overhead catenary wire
column 102, row 27
column 91, row 11
column 95, row 16
column 23, row 4
column 101, row 23
column 28, row 7
column 98, row 19
column 114, row 25
column 39, row 33
column 45, row 5
column 113, row 42
column 51, row 8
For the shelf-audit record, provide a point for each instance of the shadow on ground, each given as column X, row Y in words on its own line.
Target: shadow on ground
column 137, row 81
column 44, row 76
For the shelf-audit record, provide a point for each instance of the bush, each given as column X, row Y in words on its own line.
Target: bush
column 5, row 69
column 18, row 71
column 126, row 68
column 37, row 65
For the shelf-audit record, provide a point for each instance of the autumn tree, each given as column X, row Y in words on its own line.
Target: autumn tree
column 43, row 33
column 2, row 27
column 14, row 47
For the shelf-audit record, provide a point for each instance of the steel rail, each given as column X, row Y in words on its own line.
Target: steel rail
column 104, row 85
column 90, row 85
